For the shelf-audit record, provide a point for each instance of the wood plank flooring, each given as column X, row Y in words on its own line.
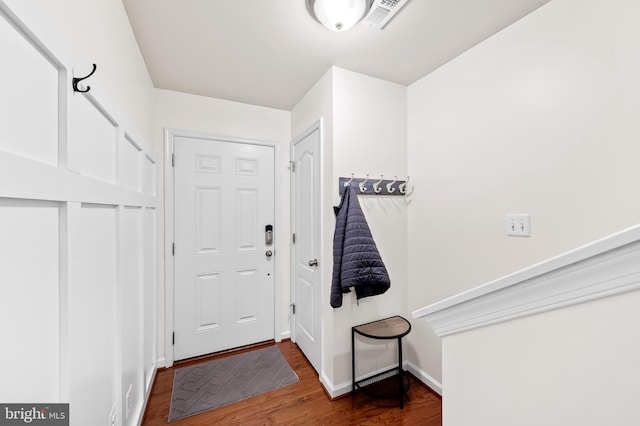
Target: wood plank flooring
column 303, row 403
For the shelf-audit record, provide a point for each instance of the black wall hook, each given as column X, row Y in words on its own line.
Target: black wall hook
column 77, row 80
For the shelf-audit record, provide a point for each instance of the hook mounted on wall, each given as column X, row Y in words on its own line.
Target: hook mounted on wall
column 347, row 183
column 77, row 80
column 403, row 186
column 363, row 185
column 376, row 186
column 390, row 188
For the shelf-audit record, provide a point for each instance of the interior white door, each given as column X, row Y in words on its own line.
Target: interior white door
column 224, row 265
column 306, row 248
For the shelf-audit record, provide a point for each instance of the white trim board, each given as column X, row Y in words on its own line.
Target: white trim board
column 425, row 378
column 603, row 268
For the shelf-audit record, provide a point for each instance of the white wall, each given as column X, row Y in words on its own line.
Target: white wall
column 364, row 131
column 75, row 201
column 541, row 119
column 181, row 111
column 369, row 136
column 573, row 366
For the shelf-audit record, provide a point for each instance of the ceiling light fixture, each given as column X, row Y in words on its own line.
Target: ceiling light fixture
column 338, row 15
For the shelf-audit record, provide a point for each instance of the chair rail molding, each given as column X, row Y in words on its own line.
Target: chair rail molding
column 603, row 268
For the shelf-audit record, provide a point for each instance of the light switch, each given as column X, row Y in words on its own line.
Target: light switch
column 519, row 225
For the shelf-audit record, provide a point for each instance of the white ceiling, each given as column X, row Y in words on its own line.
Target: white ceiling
column 271, row 52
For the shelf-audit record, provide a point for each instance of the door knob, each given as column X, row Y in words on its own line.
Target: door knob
column 313, row 262
column 269, row 253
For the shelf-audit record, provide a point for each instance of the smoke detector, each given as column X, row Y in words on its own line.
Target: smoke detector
column 382, row 11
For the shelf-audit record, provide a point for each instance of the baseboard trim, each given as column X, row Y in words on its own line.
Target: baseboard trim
column 425, row 378
column 161, row 362
column 147, row 395
column 328, row 387
column 337, row 391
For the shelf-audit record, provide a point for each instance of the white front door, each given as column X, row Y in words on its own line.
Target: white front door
column 224, row 272
column 306, row 249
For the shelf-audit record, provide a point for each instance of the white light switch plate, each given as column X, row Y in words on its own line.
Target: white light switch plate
column 519, row 225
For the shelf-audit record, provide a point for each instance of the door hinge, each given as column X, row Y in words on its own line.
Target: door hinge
column 173, row 338
column 173, row 160
column 293, row 165
column 293, row 308
column 293, row 238
column 173, row 249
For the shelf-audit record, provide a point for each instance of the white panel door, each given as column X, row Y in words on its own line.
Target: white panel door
column 224, row 275
column 306, row 212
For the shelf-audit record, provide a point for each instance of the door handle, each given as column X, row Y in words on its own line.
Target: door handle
column 313, row 262
column 269, row 253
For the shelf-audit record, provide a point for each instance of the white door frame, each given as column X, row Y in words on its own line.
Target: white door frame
column 315, row 126
column 169, row 266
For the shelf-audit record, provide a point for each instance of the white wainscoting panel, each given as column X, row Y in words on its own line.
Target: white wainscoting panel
column 92, row 310
column 93, row 137
column 131, row 306
column 131, row 168
column 29, row 112
column 150, row 304
column 149, row 176
column 29, row 311
column 77, row 241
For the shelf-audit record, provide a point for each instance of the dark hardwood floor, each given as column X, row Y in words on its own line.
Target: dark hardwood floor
column 303, row 403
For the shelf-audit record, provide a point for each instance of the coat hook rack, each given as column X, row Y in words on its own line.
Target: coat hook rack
column 366, row 186
column 77, row 80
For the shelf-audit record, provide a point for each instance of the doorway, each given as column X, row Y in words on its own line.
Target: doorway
column 220, row 214
column 306, row 248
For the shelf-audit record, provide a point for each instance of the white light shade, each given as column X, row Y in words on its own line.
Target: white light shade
column 339, row 15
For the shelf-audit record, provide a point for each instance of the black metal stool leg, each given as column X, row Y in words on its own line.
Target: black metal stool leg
column 400, row 374
column 353, row 362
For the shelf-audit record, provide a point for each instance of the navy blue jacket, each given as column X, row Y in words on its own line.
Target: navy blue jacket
column 356, row 260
